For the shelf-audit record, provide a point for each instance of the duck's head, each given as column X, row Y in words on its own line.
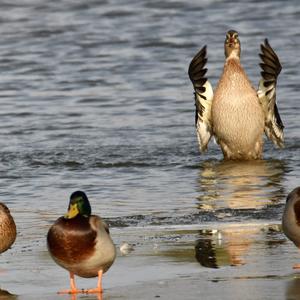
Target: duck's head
column 232, row 44
column 79, row 205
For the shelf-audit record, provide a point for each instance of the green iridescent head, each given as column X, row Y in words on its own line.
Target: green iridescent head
column 79, row 205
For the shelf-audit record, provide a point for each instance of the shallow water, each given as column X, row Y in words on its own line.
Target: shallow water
column 95, row 96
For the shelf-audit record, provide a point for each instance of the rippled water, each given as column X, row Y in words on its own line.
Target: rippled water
column 95, row 96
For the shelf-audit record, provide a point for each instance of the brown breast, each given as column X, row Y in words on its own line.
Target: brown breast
column 71, row 240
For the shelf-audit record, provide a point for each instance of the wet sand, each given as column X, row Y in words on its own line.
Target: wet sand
column 197, row 287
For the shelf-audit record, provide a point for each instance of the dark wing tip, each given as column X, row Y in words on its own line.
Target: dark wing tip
column 277, row 117
column 197, row 71
column 197, row 63
column 270, row 65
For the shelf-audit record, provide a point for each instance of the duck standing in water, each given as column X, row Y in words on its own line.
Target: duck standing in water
column 8, row 231
column 235, row 113
column 291, row 218
column 80, row 242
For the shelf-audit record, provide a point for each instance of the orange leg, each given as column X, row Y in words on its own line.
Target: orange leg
column 98, row 289
column 296, row 266
column 73, row 289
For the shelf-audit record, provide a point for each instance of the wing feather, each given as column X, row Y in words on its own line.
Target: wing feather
column 203, row 98
column 266, row 92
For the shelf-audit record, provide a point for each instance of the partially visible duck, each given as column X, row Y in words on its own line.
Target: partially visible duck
column 291, row 218
column 8, row 230
column 80, row 242
column 236, row 114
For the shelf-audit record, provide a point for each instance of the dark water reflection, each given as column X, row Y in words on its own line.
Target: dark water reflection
column 230, row 246
column 206, row 254
column 225, row 248
column 240, row 185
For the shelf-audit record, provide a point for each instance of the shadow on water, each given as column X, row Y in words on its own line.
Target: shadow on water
column 240, row 185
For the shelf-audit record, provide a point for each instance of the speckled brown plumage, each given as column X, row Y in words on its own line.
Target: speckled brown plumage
column 8, row 231
column 236, row 113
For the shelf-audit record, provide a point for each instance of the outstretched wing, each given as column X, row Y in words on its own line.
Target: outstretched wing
column 203, row 98
column 266, row 92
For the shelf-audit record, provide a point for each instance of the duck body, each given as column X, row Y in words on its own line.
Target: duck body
column 237, row 116
column 8, row 231
column 235, row 113
column 291, row 217
column 81, row 245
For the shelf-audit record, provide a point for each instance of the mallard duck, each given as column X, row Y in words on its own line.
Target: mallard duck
column 236, row 114
column 291, row 218
column 8, row 231
column 80, row 242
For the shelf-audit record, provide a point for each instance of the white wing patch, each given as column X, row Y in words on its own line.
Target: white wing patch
column 203, row 98
column 266, row 93
column 203, row 120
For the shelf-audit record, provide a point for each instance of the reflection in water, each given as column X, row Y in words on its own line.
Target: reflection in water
column 292, row 291
column 206, row 253
column 226, row 247
column 90, row 296
column 246, row 184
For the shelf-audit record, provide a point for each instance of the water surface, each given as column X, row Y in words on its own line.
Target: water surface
column 95, row 96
